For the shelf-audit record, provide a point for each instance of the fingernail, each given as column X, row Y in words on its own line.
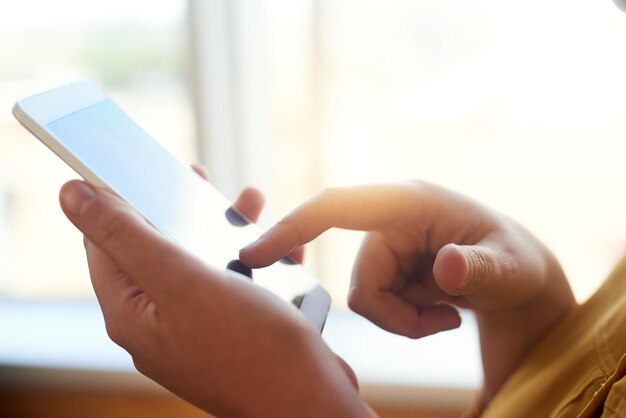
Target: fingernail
column 76, row 198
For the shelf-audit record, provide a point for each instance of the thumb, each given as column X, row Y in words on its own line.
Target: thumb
column 147, row 256
column 468, row 269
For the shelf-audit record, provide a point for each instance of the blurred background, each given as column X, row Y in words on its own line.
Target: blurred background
column 518, row 104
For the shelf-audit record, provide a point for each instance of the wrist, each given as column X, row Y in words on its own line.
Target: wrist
column 507, row 336
column 306, row 381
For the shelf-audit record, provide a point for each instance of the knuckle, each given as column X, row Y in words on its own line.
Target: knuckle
column 420, row 193
column 415, row 183
column 332, row 197
column 139, row 365
column 356, row 301
column 331, row 193
column 419, row 185
column 114, row 332
column 289, row 228
column 334, row 203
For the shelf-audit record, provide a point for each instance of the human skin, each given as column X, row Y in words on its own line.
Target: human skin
column 209, row 336
column 428, row 250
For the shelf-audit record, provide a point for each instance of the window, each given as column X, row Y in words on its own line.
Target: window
column 137, row 52
column 518, row 104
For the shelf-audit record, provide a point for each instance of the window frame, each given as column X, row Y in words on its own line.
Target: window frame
column 228, row 90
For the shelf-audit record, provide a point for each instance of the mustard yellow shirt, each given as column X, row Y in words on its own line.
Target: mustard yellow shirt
column 579, row 368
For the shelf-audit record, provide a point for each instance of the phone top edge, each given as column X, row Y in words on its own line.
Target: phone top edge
column 52, row 104
column 57, row 87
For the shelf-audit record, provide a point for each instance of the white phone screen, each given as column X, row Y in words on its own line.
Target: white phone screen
column 132, row 164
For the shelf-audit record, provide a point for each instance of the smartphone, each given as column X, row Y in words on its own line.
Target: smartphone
column 94, row 136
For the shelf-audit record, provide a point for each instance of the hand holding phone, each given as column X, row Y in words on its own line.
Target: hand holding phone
column 222, row 343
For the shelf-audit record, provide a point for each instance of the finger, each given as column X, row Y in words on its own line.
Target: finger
column 201, row 171
column 481, row 270
column 250, row 203
column 419, row 293
column 357, row 208
column 376, row 293
column 297, row 254
column 393, row 314
column 152, row 261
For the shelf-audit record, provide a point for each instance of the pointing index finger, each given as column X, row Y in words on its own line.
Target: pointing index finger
column 356, row 208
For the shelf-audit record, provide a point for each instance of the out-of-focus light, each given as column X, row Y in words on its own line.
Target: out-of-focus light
column 37, row 14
